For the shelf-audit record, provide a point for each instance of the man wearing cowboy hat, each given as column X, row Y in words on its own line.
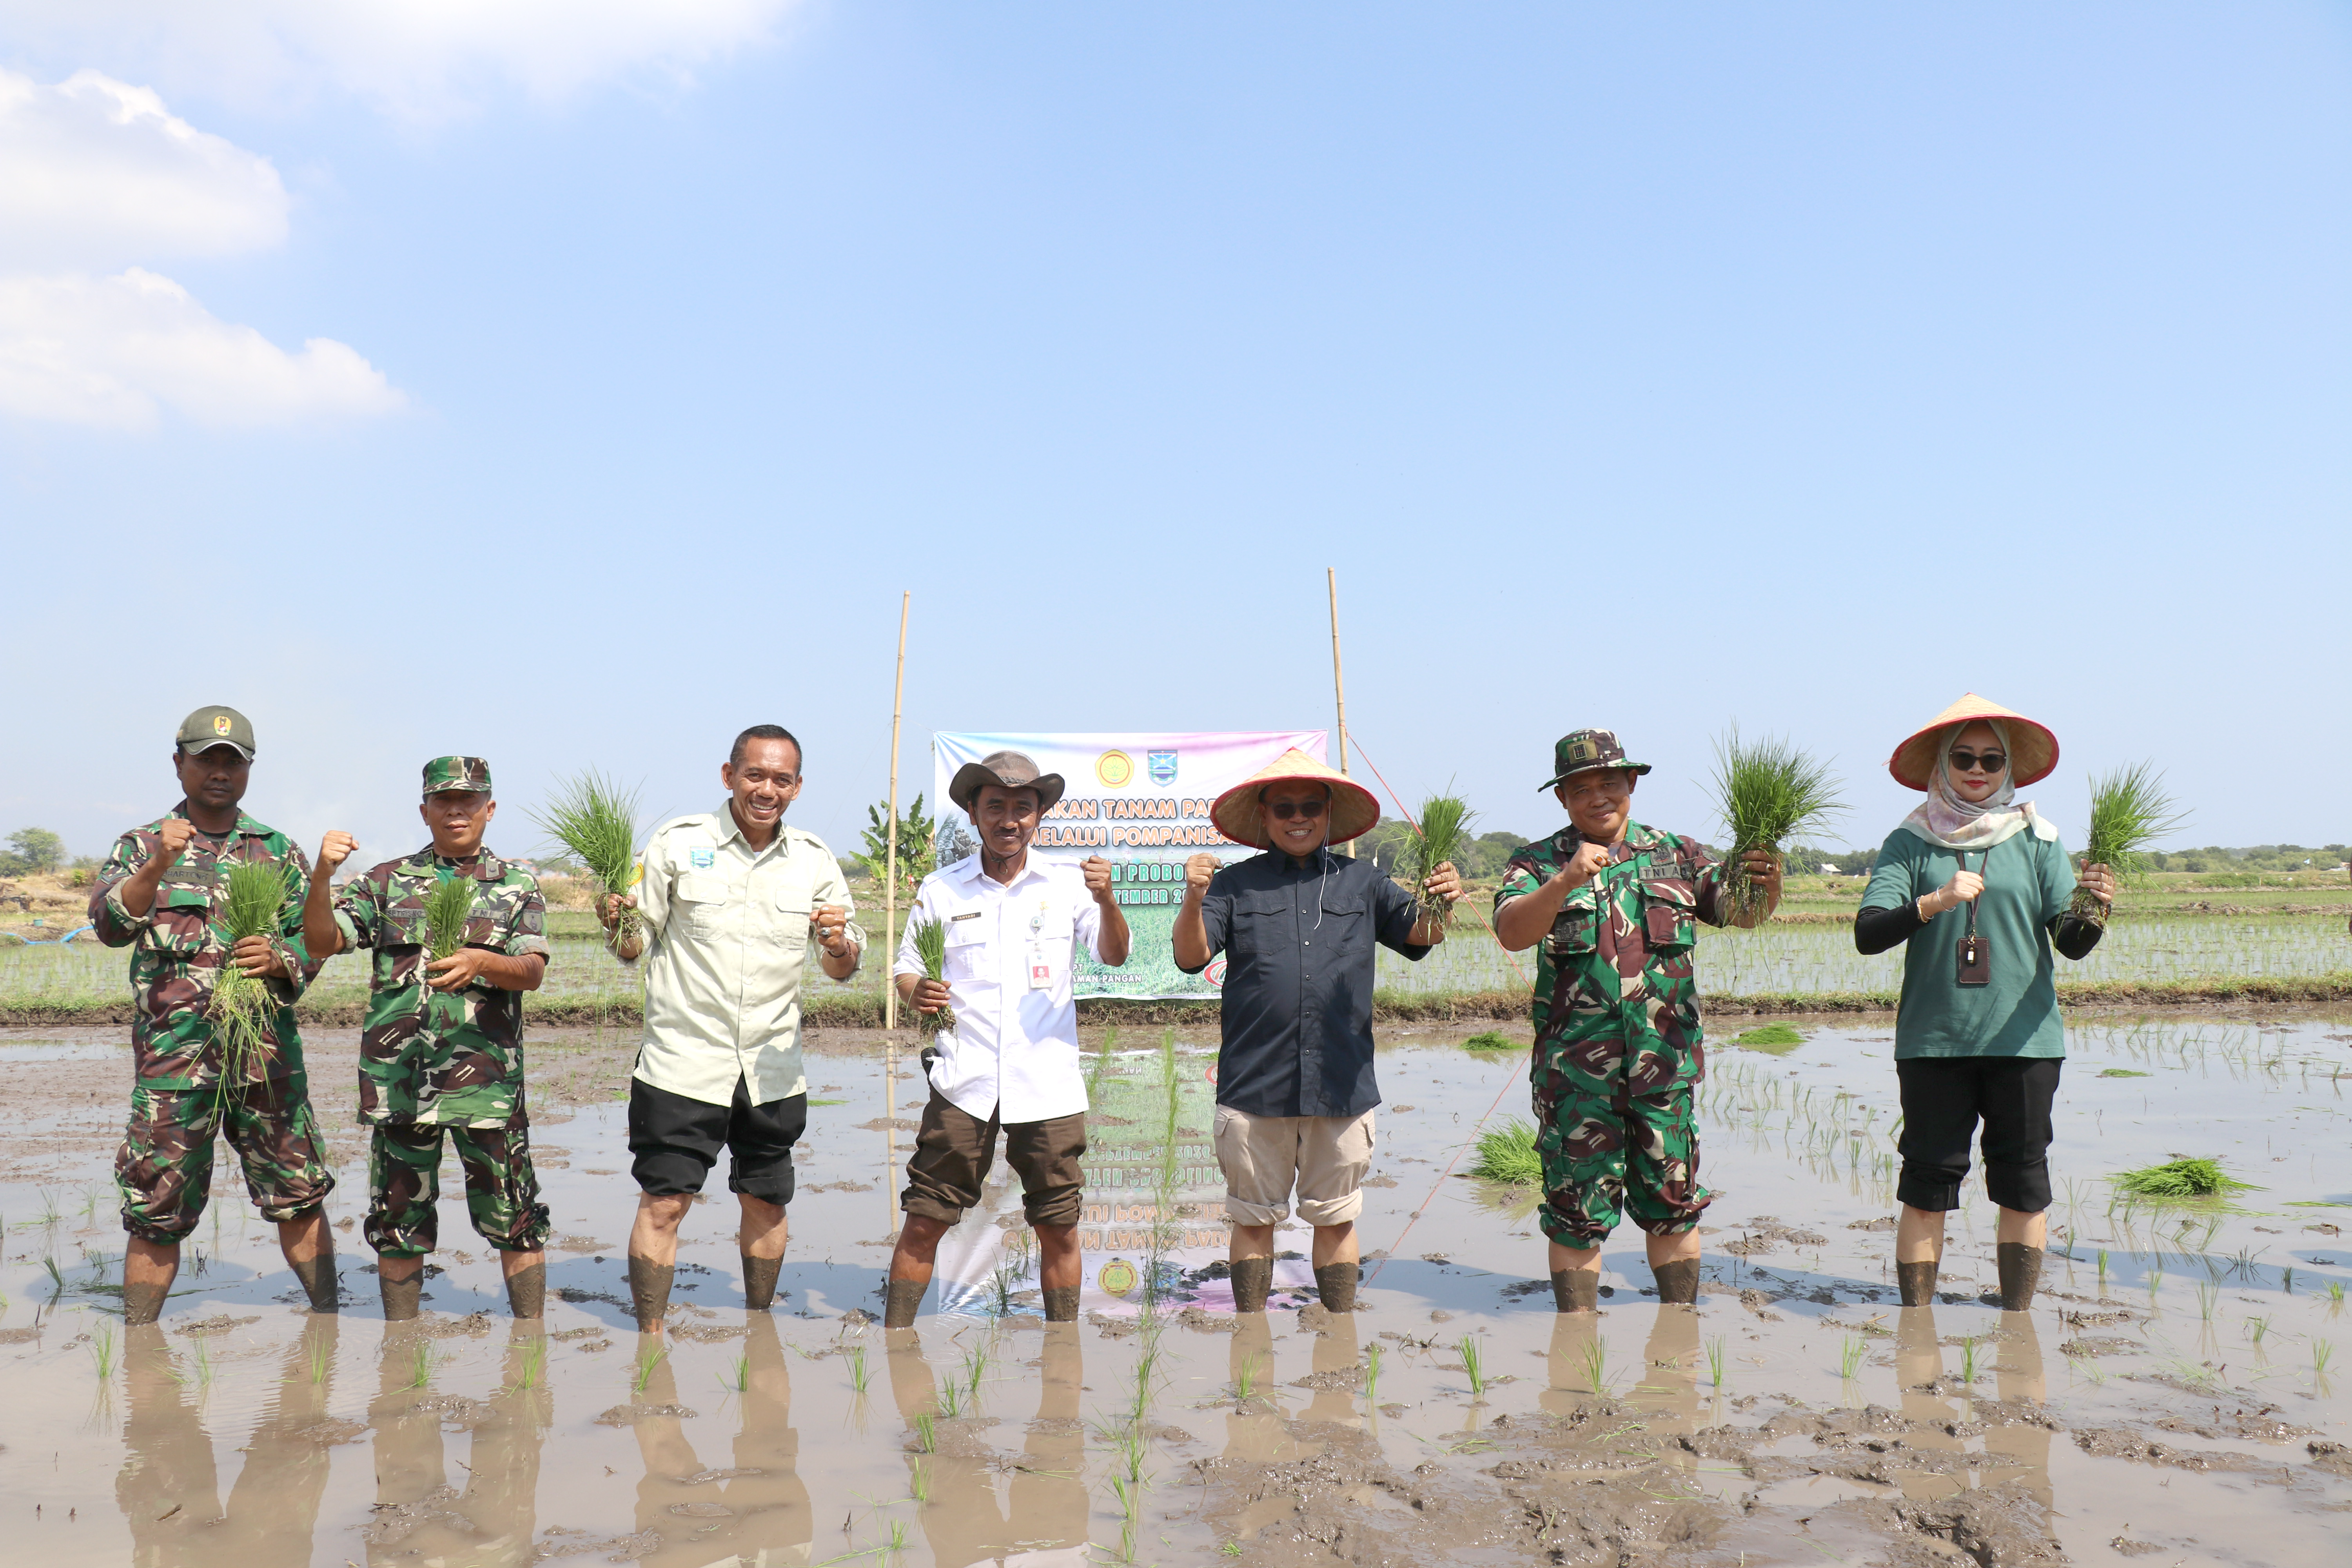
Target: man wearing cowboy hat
column 1011, row 1062
column 1618, row 1043
column 1296, row 1091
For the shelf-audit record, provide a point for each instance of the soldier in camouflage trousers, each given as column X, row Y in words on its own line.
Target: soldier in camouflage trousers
column 1618, row 1041
column 442, row 1046
column 162, row 893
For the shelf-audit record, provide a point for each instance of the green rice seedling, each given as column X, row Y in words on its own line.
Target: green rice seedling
column 597, row 824
column 447, row 908
column 1596, row 1364
column 918, row 1483
column 1766, row 1035
column 205, row 1369
column 1850, row 1356
column 2256, row 1328
column 1130, row 1495
column 1373, row 1373
column 2103, row 1268
column 1468, row 1348
column 2129, row 812
column 2321, row 1352
column 976, row 1371
column 926, row 1432
column 1492, row 1041
column 738, row 1378
column 898, row 1536
column 930, row 938
column 533, row 1370
column 1246, row 1381
column 242, row 1004
column 857, row 1374
column 1444, row 828
column 102, row 1351
column 2184, row 1179
column 1717, row 1356
column 1767, row 793
column 2286, row 1279
column 950, row 1399
column 1102, row 1062
column 2207, row 1295
column 1507, row 1154
column 642, row 1372
column 420, row 1365
column 1968, row 1360
column 49, row 1214
column 57, row 1278
column 2154, row 1280
column 2336, row 1292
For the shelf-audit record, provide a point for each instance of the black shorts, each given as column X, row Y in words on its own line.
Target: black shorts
column 1944, row 1098
column 677, row 1140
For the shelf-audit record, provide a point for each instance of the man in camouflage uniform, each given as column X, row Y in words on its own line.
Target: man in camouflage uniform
column 1618, row 1043
column 163, row 893
column 442, row 1047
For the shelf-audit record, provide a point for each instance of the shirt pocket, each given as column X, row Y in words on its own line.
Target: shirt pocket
column 1572, row 929
column 1669, row 913
column 705, row 902
column 968, row 952
column 401, row 926
column 180, row 920
column 793, row 901
column 1340, row 928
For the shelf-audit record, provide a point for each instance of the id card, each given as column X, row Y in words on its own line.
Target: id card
column 1041, row 972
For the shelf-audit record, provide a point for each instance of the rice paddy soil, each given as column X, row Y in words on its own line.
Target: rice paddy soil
column 2174, row 1393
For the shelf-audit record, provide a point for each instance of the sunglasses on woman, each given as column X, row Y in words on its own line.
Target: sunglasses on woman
column 1970, row 762
column 1286, row 809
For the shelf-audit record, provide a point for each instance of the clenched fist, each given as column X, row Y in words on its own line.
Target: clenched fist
column 1589, row 861
column 1198, row 870
column 173, row 834
column 335, row 848
column 1096, row 871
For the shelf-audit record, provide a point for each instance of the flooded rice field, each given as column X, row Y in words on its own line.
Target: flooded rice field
column 2174, row 1395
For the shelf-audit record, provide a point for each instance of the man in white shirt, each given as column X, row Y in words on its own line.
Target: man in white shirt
column 728, row 902
column 1010, row 1063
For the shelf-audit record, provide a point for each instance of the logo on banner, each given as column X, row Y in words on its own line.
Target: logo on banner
column 1215, row 973
column 1118, row 1278
column 1115, row 769
column 1163, row 768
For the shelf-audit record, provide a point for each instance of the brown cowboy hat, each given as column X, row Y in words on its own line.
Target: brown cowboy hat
column 1011, row 768
column 1240, row 813
column 2033, row 749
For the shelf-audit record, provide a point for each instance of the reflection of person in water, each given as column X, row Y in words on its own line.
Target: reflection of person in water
column 767, row 1516
column 168, row 1486
column 1046, row 1526
column 501, row 1493
column 1254, row 1430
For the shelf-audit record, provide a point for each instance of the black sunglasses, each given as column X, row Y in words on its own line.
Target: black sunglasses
column 1286, row 809
column 1969, row 761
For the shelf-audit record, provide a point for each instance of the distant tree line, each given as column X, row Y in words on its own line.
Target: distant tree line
column 32, row 850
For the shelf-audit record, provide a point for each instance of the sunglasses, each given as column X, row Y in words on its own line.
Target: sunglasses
column 1286, row 809
column 1970, row 762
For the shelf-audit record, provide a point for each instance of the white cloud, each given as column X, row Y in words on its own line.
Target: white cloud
column 420, row 59
column 111, row 351
column 95, row 172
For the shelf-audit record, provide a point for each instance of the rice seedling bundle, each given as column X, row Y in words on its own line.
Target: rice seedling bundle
column 1444, row 828
column 1767, row 793
column 1507, row 1153
column 2129, row 811
column 447, row 908
column 2185, row 1180
column 597, row 824
column 242, row 1005
column 930, row 939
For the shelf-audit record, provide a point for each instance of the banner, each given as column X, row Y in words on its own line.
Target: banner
column 1139, row 801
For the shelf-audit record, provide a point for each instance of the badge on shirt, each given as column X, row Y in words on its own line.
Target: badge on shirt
column 701, row 858
column 1041, row 969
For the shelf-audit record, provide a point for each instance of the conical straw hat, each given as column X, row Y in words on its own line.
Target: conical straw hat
column 1240, row 816
column 2033, row 749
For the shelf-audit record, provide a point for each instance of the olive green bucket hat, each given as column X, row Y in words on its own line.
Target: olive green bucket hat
column 1581, row 751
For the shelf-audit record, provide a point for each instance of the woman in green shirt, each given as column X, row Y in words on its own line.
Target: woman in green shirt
column 1983, row 879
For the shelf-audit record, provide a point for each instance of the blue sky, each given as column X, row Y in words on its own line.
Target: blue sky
column 1655, row 367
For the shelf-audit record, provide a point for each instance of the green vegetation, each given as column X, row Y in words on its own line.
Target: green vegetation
column 2129, row 811
column 447, row 908
column 1492, row 1041
column 2120, row 1072
column 1507, row 1154
column 597, row 825
column 1767, row 1036
column 32, row 850
column 918, row 846
column 2184, row 1179
column 1768, row 794
column 242, row 1002
column 931, row 946
column 1444, row 830
column 1467, row 1347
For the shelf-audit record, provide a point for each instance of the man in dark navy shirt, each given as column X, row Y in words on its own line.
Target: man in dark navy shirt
column 1294, row 1085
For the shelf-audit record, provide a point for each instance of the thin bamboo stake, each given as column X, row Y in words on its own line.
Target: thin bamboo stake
column 890, row 931
column 1338, row 684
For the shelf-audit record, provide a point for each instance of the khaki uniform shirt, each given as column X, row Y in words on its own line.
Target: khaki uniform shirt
column 726, row 934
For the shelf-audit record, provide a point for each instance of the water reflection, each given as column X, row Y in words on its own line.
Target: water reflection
column 1042, row 1522
column 757, row 1510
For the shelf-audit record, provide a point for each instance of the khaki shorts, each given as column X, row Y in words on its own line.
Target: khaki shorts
column 954, row 1150
column 1327, row 1157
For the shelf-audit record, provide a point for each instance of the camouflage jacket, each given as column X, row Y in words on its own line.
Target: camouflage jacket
column 452, row 1059
column 1615, row 1002
column 179, row 945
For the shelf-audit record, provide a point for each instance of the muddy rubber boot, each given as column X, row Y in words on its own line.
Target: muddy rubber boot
column 403, row 1298
column 1253, row 1283
column 318, row 1282
column 1918, row 1283
column 1677, row 1283
column 650, row 1285
column 1576, row 1290
column 906, row 1298
column 1335, row 1282
column 2021, row 1274
column 141, row 1304
column 759, row 1281
column 1062, row 1304
column 526, row 1292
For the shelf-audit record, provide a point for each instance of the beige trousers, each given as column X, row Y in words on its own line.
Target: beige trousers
column 1263, row 1157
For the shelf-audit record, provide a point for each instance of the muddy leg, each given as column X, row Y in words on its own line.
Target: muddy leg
column 1059, row 1270
column 2021, row 1275
column 148, row 1270
column 1918, row 1252
column 1252, row 1262
column 1336, row 1266
column 653, row 1255
column 400, row 1281
column 309, row 1245
column 1575, row 1279
column 1674, row 1262
column 911, row 1269
column 759, row 1241
column 526, row 1275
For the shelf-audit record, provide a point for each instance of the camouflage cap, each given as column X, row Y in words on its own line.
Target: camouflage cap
column 1581, row 751
column 456, row 772
column 208, row 727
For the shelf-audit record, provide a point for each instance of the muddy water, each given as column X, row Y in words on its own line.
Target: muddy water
column 2179, row 1398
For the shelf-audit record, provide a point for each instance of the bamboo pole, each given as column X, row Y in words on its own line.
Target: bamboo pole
column 890, row 858
column 1339, row 683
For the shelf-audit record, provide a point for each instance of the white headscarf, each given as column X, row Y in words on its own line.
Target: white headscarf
column 1944, row 818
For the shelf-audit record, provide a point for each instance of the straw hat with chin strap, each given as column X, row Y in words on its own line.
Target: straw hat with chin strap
column 1239, row 812
column 2034, row 749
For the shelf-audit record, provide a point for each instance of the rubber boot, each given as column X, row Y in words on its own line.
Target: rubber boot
column 403, row 1298
column 526, row 1292
column 1335, row 1282
column 650, row 1284
column 1576, row 1290
column 1918, row 1283
column 1253, row 1283
column 906, row 1298
column 1062, row 1304
column 759, row 1281
column 2021, row 1274
column 1677, row 1281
